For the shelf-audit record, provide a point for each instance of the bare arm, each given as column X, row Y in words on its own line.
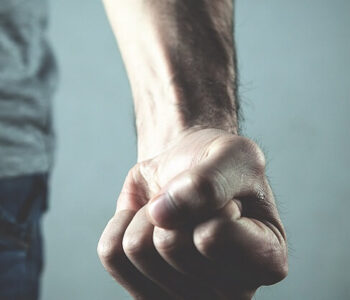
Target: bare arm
column 180, row 61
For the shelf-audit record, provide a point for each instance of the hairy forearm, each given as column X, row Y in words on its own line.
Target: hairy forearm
column 179, row 56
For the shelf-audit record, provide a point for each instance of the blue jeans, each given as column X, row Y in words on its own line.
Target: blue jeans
column 22, row 203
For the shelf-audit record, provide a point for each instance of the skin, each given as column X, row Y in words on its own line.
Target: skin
column 196, row 217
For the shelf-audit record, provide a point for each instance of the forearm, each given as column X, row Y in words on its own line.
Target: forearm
column 179, row 56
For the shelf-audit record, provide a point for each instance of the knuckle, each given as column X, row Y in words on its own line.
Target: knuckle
column 134, row 245
column 197, row 191
column 129, row 183
column 134, row 174
column 280, row 272
column 205, row 188
column 278, row 269
column 272, row 263
column 164, row 240
column 259, row 161
column 208, row 237
column 254, row 156
column 108, row 251
column 135, row 187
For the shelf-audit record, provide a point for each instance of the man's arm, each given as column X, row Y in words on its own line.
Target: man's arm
column 180, row 61
column 196, row 217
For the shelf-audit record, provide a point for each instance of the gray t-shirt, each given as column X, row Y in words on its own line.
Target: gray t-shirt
column 27, row 82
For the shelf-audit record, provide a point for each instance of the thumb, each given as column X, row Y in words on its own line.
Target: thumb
column 226, row 174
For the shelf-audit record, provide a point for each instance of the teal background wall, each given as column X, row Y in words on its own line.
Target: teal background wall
column 295, row 90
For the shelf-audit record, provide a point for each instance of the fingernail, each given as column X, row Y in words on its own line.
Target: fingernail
column 161, row 211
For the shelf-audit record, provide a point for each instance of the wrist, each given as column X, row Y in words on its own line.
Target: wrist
column 155, row 133
column 153, row 143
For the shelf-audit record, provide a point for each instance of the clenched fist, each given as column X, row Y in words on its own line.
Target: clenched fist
column 197, row 221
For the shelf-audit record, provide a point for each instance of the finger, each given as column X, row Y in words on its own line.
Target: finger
column 139, row 248
column 115, row 261
column 133, row 194
column 249, row 249
column 177, row 249
column 232, row 170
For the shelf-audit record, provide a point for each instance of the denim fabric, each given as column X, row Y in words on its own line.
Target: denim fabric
column 22, row 203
